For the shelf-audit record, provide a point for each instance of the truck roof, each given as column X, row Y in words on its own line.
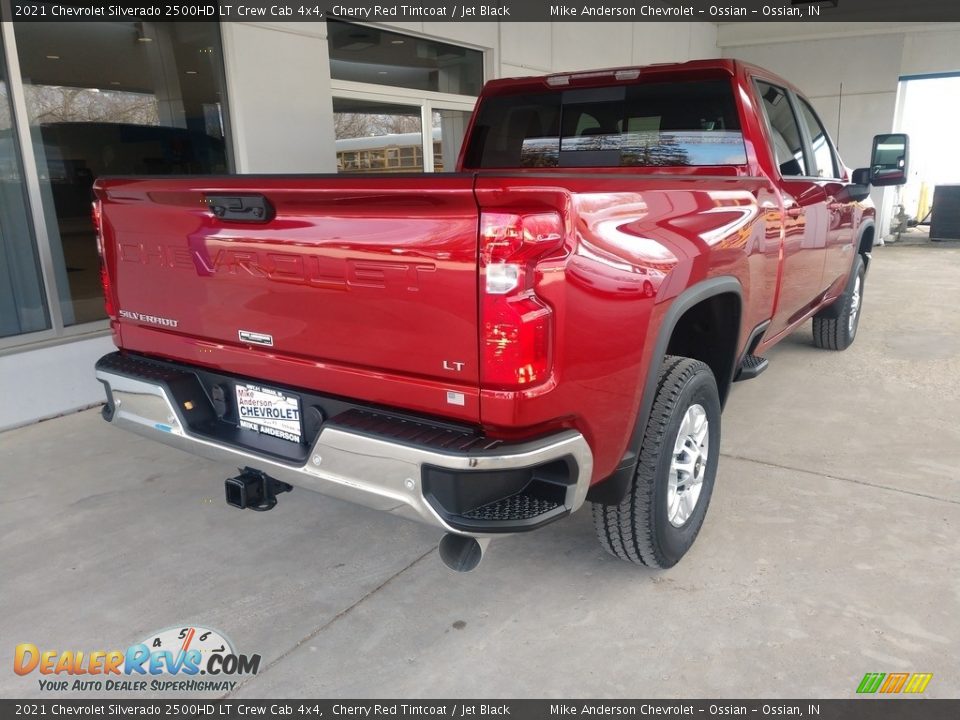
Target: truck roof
column 688, row 70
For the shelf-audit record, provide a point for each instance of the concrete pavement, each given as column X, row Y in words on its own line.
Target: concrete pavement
column 830, row 549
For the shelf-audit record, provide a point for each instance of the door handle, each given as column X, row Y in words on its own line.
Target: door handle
column 241, row 208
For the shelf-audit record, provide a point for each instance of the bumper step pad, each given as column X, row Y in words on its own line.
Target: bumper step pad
column 517, row 507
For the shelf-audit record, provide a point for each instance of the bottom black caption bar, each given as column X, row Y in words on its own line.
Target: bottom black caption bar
column 861, row 709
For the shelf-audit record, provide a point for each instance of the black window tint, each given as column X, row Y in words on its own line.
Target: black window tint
column 787, row 141
column 516, row 131
column 649, row 124
column 592, row 127
column 827, row 166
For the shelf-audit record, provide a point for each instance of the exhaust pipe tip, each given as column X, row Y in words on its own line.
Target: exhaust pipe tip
column 461, row 553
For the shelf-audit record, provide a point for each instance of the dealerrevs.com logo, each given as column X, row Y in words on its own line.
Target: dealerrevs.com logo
column 181, row 659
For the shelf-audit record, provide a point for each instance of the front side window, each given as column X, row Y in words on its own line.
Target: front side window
column 655, row 124
column 823, row 156
column 784, row 130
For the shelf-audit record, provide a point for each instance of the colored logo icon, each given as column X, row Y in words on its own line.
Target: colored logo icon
column 893, row 683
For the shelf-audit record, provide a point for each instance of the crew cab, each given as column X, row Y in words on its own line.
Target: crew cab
column 558, row 321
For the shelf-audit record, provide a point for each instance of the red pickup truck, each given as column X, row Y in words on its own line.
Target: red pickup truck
column 560, row 320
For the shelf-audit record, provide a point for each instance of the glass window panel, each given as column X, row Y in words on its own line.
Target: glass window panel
column 23, row 305
column 787, row 142
column 449, row 128
column 823, row 156
column 117, row 98
column 374, row 55
column 646, row 124
column 379, row 134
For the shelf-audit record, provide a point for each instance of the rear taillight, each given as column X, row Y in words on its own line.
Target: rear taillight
column 96, row 214
column 516, row 325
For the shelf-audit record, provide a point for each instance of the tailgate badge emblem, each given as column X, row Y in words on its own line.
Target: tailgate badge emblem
column 248, row 336
column 454, row 365
column 152, row 319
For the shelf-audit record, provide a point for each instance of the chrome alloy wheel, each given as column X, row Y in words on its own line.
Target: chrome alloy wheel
column 854, row 307
column 689, row 465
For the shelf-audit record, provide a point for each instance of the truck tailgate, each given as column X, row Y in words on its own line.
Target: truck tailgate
column 364, row 287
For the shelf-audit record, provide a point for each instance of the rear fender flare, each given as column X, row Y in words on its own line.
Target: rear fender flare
column 612, row 490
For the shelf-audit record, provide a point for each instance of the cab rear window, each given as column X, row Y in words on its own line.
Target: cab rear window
column 644, row 125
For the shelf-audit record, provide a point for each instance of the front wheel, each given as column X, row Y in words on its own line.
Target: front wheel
column 658, row 520
column 839, row 332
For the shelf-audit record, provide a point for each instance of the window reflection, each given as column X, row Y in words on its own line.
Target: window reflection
column 372, row 55
column 827, row 166
column 649, row 124
column 23, row 307
column 787, row 140
column 115, row 99
column 449, row 129
column 377, row 137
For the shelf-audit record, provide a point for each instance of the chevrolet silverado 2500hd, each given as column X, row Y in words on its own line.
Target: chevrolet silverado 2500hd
column 558, row 321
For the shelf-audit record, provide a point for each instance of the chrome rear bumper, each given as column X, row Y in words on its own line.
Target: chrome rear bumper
column 375, row 472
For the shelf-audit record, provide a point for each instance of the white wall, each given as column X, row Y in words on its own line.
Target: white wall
column 934, row 51
column 867, row 58
column 49, row 381
column 278, row 92
column 537, row 48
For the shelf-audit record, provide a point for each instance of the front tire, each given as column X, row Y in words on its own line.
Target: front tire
column 838, row 333
column 659, row 519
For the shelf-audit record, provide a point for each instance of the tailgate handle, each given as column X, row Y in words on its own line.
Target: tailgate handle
column 241, row 208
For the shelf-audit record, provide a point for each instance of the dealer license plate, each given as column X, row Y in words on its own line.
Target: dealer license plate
column 269, row 412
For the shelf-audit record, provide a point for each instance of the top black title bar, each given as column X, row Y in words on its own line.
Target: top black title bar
column 800, row 11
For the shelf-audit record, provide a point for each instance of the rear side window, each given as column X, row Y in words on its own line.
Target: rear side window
column 644, row 125
column 785, row 132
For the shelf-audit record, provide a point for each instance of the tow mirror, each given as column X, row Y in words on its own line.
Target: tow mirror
column 889, row 160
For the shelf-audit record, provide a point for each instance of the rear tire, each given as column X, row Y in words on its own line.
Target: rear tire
column 838, row 333
column 659, row 519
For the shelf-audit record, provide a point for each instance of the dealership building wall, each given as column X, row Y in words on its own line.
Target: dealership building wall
column 277, row 96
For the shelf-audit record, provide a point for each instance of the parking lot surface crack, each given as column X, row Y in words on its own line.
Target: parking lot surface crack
column 805, row 471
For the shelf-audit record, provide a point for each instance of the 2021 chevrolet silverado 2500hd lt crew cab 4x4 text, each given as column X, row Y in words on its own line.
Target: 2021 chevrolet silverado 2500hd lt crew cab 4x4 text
column 558, row 321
